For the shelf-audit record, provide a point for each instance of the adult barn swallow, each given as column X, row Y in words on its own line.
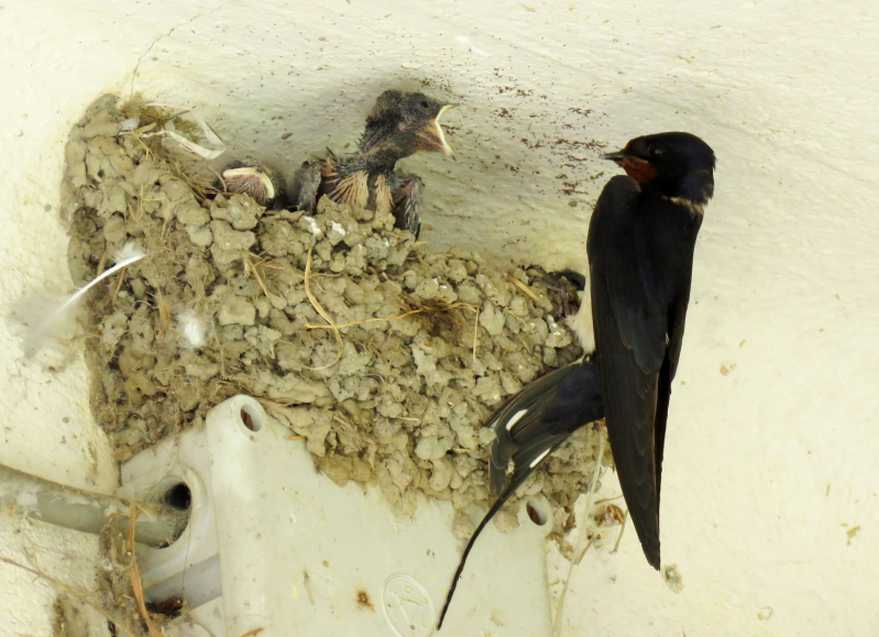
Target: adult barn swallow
column 399, row 125
column 640, row 247
column 528, row 428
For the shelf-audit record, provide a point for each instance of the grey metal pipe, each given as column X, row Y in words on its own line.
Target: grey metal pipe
column 157, row 524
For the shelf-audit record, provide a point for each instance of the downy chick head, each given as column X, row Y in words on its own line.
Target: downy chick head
column 402, row 124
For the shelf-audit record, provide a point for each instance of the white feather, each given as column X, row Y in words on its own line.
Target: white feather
column 46, row 317
column 216, row 145
column 312, row 226
column 192, row 329
column 129, row 253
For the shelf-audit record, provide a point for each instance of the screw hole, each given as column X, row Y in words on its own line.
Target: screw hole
column 537, row 512
column 179, row 497
column 249, row 421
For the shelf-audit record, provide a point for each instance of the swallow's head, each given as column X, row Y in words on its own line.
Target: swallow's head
column 401, row 124
column 675, row 164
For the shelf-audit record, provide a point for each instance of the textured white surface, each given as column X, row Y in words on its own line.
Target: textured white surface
column 324, row 547
column 295, row 550
column 764, row 463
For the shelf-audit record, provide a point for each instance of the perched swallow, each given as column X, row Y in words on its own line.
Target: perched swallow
column 260, row 182
column 399, row 125
column 528, row 428
column 640, row 247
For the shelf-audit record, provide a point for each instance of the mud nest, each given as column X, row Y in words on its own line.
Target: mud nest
column 233, row 298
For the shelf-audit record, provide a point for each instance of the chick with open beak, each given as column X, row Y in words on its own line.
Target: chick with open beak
column 398, row 126
column 432, row 137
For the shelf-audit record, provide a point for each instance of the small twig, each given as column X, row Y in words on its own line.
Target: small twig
column 606, row 500
column 134, row 575
column 396, row 317
column 557, row 622
column 250, row 266
column 268, row 265
column 525, row 289
column 222, row 357
column 163, row 307
column 321, row 311
column 475, row 335
column 137, row 133
column 578, row 556
column 341, row 420
column 200, row 189
column 616, row 545
column 252, row 632
column 119, row 281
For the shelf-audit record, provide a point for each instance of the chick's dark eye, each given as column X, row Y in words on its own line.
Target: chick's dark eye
column 424, row 104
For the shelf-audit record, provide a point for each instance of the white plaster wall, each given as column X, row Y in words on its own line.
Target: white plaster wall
column 764, row 463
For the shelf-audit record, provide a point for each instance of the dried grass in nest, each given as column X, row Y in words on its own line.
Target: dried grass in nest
column 582, row 543
column 256, row 265
column 439, row 315
column 152, row 117
column 134, row 576
column 163, row 309
column 526, row 290
column 321, row 311
column 264, row 272
column 152, row 120
column 203, row 189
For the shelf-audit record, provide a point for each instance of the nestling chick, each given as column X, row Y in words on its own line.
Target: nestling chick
column 260, row 182
column 399, row 125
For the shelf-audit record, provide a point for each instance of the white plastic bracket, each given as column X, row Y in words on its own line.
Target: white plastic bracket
column 274, row 545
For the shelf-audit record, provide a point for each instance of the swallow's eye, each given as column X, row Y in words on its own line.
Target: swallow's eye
column 655, row 152
column 424, row 104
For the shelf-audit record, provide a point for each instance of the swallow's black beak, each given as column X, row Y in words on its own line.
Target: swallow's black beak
column 639, row 169
column 617, row 156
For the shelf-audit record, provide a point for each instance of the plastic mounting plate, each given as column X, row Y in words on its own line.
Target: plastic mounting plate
column 274, row 545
